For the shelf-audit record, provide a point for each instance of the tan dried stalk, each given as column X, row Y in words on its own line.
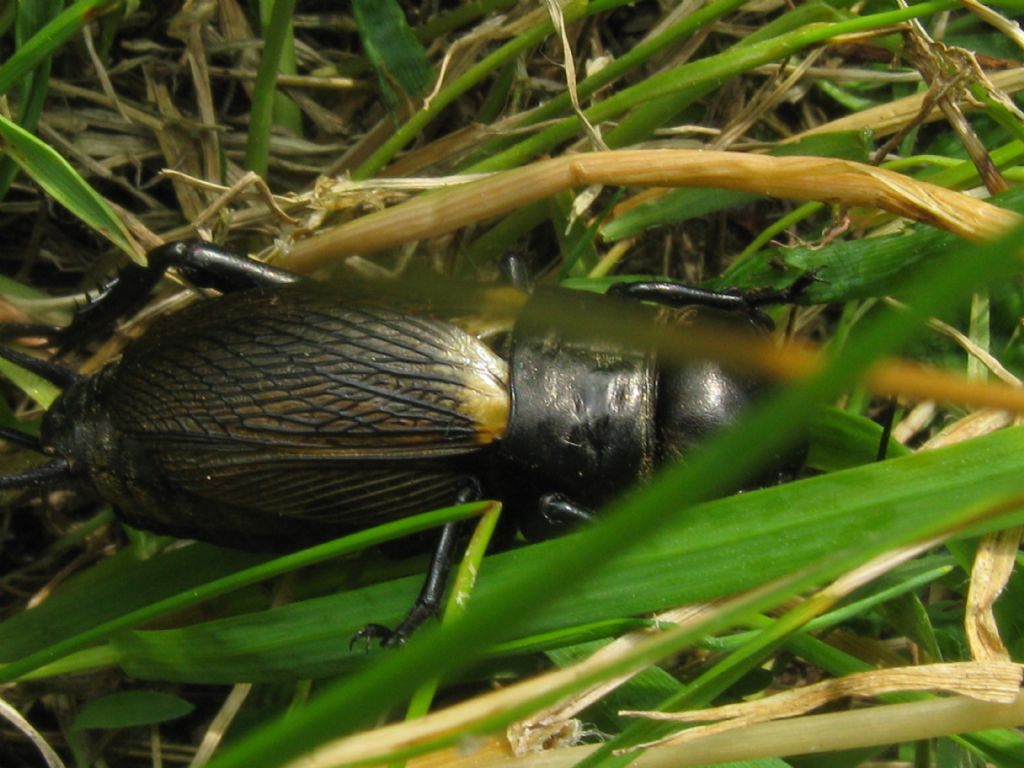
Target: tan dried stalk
column 795, row 178
column 997, row 682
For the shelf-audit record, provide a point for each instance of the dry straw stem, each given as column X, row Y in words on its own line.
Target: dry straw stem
column 527, row 735
column 996, row 555
column 833, row 732
column 875, row 726
column 993, row 565
column 997, row 682
column 968, row 345
column 896, row 377
column 225, row 716
column 974, row 424
column 795, row 178
column 14, row 718
column 810, row 734
column 893, row 116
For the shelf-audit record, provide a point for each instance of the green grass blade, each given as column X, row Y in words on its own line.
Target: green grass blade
column 128, row 709
column 286, row 113
column 257, row 149
column 772, row 533
column 33, row 385
column 50, row 649
column 31, row 18
column 397, row 57
column 50, row 38
column 56, row 176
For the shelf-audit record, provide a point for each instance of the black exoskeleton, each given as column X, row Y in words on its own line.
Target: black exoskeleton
column 280, row 415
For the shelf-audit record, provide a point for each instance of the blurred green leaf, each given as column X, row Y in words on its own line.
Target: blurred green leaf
column 397, row 57
column 129, row 709
column 33, row 385
column 840, row 439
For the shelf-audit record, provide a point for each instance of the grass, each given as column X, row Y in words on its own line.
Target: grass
column 830, row 155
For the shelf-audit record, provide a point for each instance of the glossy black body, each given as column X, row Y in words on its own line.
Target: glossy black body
column 591, row 418
column 281, row 415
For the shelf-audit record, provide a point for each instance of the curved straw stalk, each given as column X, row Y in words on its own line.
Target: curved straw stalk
column 796, row 178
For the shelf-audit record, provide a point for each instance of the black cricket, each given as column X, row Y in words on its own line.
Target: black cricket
column 281, row 414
